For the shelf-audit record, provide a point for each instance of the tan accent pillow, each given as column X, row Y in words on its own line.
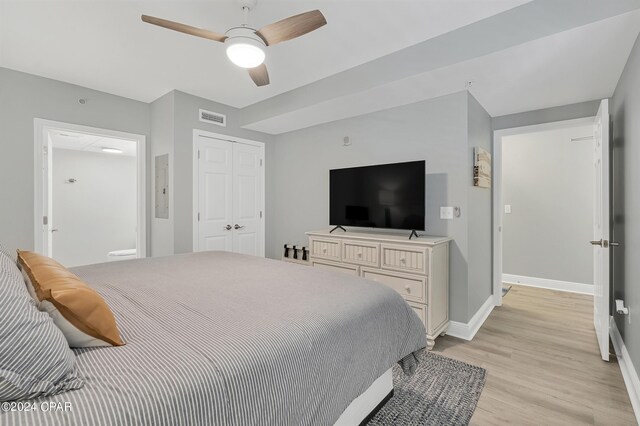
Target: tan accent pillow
column 78, row 310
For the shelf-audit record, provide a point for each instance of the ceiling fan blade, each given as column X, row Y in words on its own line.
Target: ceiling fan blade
column 291, row 27
column 259, row 75
column 187, row 29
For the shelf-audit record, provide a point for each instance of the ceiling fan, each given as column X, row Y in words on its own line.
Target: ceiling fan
column 246, row 45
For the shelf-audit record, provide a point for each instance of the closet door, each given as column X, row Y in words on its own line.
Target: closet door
column 248, row 232
column 215, row 194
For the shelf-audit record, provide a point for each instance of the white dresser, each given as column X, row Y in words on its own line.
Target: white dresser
column 418, row 269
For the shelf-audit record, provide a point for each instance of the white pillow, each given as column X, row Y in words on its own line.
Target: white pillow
column 75, row 337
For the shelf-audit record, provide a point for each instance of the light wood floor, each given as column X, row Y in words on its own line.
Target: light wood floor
column 543, row 365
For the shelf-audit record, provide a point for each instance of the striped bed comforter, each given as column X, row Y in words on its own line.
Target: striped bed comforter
column 218, row 338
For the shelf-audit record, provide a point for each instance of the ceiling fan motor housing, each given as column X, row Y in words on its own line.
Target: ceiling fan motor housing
column 242, row 34
column 244, row 47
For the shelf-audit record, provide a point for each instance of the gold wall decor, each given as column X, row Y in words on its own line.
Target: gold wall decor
column 481, row 168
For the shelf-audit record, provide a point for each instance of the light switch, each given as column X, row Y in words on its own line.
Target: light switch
column 446, row 213
column 507, row 208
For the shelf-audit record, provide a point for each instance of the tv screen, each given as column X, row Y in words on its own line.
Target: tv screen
column 384, row 196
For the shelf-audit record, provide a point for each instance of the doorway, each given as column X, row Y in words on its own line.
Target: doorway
column 538, row 171
column 228, row 194
column 89, row 194
column 576, row 216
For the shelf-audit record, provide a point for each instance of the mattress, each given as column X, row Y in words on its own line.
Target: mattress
column 217, row 338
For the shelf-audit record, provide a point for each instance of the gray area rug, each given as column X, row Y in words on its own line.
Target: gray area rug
column 442, row 391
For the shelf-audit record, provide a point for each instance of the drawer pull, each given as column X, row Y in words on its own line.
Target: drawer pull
column 408, row 288
column 359, row 254
column 324, row 250
column 403, row 260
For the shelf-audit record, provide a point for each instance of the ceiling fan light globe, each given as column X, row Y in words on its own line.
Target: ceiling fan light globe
column 245, row 54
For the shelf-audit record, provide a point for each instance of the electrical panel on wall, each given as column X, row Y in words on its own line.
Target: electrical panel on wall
column 162, row 186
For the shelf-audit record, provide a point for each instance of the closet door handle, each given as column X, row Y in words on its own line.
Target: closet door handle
column 228, row 227
column 238, row 226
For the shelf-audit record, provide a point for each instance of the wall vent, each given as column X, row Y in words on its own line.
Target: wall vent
column 213, row 118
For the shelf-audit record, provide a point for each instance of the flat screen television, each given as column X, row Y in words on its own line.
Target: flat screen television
column 384, row 196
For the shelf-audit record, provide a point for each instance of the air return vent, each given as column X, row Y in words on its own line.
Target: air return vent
column 213, row 118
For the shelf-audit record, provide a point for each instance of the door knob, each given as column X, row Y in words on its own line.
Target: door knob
column 228, row 227
column 604, row 243
column 614, row 244
column 238, row 226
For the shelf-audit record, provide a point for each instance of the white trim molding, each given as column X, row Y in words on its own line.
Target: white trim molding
column 468, row 330
column 629, row 373
column 549, row 284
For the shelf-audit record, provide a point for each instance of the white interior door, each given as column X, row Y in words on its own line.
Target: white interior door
column 229, row 196
column 247, row 200
column 601, row 228
column 215, row 194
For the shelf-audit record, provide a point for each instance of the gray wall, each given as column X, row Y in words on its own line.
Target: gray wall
column 170, row 121
column 547, row 115
column 441, row 130
column 104, row 193
column 433, row 130
column 479, row 210
column 548, row 181
column 25, row 97
column 626, row 194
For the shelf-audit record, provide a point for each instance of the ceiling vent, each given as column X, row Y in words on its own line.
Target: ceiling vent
column 213, row 118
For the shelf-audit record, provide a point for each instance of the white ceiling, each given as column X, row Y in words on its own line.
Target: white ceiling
column 569, row 67
column 103, row 45
column 91, row 143
column 577, row 65
column 373, row 54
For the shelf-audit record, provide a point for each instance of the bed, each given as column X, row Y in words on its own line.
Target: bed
column 221, row 338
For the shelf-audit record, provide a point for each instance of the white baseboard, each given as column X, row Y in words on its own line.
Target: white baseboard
column 550, row 284
column 467, row 330
column 629, row 373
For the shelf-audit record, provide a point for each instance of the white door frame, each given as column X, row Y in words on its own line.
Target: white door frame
column 196, row 194
column 41, row 129
column 497, row 189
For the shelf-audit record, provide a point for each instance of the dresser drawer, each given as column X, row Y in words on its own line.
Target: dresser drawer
column 421, row 310
column 326, row 249
column 337, row 267
column 405, row 259
column 367, row 254
column 411, row 287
